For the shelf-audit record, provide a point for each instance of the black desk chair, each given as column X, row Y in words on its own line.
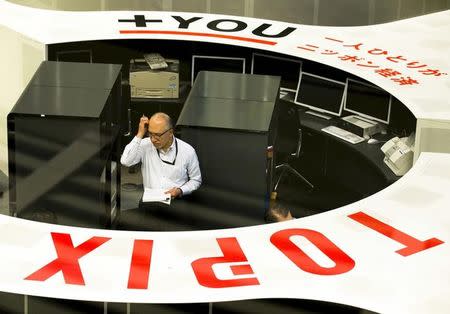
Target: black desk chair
column 288, row 142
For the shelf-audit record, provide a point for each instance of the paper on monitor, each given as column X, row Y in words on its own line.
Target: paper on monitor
column 156, row 195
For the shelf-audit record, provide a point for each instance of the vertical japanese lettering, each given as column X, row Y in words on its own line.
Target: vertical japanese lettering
column 412, row 245
column 67, row 260
column 282, row 241
column 232, row 253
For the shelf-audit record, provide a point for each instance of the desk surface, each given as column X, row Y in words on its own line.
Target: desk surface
column 371, row 152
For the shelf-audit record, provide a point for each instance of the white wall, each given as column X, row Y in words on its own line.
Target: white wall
column 432, row 136
column 19, row 59
column 315, row 12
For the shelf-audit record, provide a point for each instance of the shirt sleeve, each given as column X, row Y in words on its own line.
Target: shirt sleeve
column 133, row 152
column 194, row 175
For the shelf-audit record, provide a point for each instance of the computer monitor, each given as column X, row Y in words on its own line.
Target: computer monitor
column 368, row 101
column 288, row 69
column 320, row 94
column 216, row 63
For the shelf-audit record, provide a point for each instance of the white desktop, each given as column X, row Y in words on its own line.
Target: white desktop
column 362, row 126
column 146, row 82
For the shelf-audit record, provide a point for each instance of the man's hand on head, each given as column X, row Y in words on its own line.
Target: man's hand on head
column 174, row 192
column 143, row 126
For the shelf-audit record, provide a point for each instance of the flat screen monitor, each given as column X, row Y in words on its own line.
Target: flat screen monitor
column 368, row 101
column 216, row 63
column 288, row 69
column 320, row 94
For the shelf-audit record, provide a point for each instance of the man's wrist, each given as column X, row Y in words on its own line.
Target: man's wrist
column 181, row 192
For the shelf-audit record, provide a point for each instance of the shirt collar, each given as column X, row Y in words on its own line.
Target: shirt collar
column 171, row 147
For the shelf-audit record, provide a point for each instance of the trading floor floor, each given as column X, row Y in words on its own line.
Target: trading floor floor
column 301, row 202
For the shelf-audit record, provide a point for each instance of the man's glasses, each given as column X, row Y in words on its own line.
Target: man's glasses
column 158, row 135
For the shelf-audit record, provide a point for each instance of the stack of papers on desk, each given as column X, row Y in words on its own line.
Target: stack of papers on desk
column 156, row 195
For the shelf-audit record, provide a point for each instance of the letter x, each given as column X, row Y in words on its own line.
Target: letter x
column 67, row 260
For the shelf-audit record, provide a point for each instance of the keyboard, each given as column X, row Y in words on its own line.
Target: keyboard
column 343, row 134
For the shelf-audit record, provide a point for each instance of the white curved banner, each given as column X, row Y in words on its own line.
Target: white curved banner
column 388, row 253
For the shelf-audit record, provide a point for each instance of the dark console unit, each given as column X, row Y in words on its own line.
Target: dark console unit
column 229, row 119
column 63, row 145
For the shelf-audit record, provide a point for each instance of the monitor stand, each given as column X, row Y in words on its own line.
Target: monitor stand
column 318, row 114
column 287, row 95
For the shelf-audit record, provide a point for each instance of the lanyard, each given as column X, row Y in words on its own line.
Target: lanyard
column 176, row 153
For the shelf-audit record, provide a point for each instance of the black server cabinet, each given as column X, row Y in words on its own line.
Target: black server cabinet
column 229, row 119
column 63, row 145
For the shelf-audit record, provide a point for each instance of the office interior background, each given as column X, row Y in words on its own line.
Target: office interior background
column 311, row 12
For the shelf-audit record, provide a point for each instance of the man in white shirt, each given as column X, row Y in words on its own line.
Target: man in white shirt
column 167, row 162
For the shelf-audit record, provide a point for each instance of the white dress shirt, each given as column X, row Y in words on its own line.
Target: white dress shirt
column 156, row 174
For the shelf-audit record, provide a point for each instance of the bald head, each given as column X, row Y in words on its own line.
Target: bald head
column 161, row 119
column 160, row 125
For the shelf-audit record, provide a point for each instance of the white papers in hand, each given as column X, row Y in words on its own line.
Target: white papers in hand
column 156, row 195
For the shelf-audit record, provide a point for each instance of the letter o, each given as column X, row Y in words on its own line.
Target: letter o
column 282, row 241
column 214, row 25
